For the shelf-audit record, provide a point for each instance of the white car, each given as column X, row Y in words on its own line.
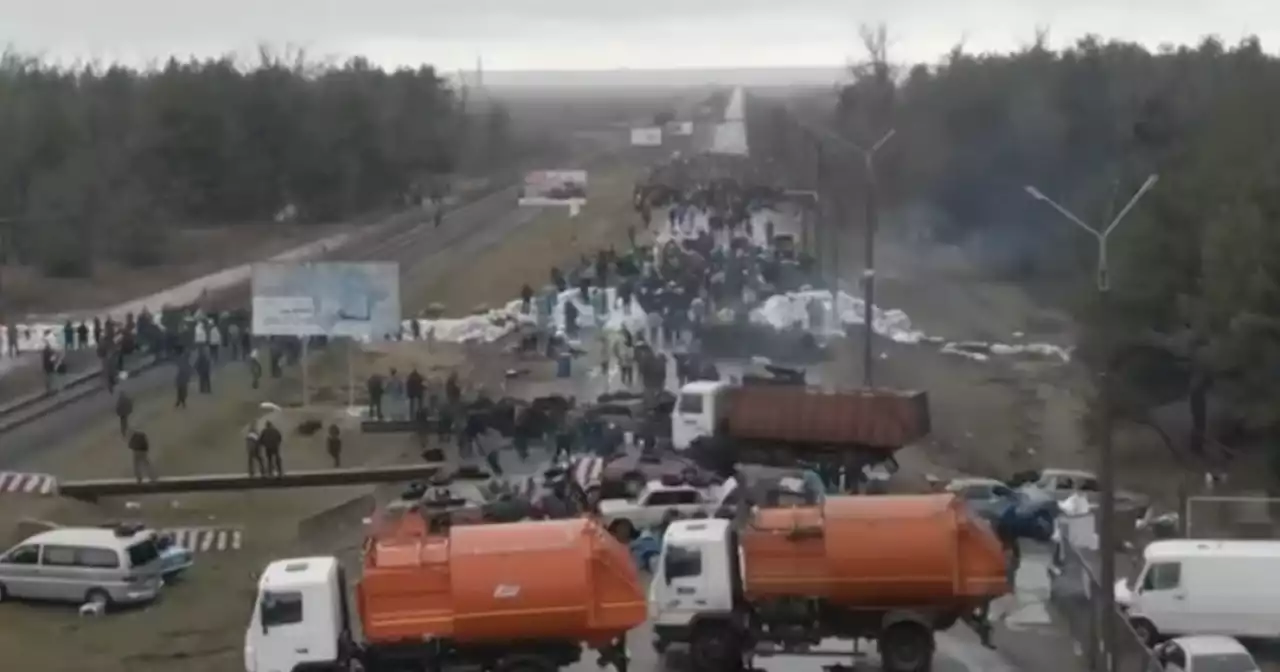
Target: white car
column 652, row 503
column 1205, row 653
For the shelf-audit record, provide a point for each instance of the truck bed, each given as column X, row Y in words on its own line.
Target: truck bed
column 879, row 419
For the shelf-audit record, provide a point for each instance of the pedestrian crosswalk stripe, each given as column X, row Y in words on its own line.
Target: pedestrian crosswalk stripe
column 587, row 471
column 26, row 483
column 206, row 539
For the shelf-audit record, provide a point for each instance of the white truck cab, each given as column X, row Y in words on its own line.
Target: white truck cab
column 299, row 617
column 698, row 575
column 700, row 406
column 1204, row 587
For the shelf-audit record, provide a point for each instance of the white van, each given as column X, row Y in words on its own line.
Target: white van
column 1205, row 587
column 107, row 565
column 699, row 408
column 299, row 618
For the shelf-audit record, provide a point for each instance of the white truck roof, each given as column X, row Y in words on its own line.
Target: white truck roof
column 1179, row 549
column 700, row 530
column 104, row 537
column 703, row 386
column 298, row 573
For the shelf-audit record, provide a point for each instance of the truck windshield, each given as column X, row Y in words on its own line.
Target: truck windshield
column 690, row 404
column 681, row 562
column 281, row 608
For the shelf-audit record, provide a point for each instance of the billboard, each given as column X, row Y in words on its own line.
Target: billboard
column 344, row 299
column 646, row 137
column 680, row 128
column 554, row 187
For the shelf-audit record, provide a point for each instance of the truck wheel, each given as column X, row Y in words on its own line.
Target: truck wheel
column 713, row 649
column 906, row 647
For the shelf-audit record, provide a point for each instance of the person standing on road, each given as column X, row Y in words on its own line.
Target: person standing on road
column 374, row 387
column 415, row 387
column 233, row 341
column 82, row 336
column 215, row 340
column 183, row 382
column 253, row 450
column 270, row 439
column 11, row 342
column 255, row 369
column 203, row 370
column 140, row 448
column 110, row 374
column 124, row 409
column 333, row 444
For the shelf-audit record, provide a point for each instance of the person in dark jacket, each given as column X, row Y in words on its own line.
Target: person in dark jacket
column 333, row 444
column 415, row 387
column 271, row 439
column 374, row 386
column 140, row 447
column 204, row 369
column 124, row 408
column 183, row 382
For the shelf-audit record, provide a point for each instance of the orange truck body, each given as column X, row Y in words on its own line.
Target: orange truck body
column 555, row 580
column 870, row 552
column 874, row 418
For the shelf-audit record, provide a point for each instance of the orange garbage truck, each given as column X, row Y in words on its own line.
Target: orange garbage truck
column 513, row 597
column 893, row 569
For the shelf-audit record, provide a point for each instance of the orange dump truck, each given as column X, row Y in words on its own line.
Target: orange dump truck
column 893, row 569
column 511, row 597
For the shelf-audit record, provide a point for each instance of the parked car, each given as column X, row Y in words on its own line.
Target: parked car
column 103, row 566
column 1205, row 653
column 174, row 559
column 1062, row 483
column 656, row 502
column 625, row 475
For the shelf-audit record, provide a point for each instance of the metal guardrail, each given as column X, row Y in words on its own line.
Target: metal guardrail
column 1075, row 593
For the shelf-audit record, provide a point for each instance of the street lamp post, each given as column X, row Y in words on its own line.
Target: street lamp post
column 1106, row 456
column 869, row 257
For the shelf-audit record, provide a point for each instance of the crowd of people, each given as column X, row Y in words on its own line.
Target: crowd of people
column 713, row 257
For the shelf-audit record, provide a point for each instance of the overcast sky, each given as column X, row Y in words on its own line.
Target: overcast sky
column 602, row 34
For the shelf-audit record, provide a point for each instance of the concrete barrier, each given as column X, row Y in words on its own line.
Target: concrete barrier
column 92, row 490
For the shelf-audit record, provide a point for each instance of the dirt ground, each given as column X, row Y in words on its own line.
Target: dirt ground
column 198, row 624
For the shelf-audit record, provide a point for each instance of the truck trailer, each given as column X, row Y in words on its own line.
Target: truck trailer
column 478, row 597
column 720, row 424
column 893, row 569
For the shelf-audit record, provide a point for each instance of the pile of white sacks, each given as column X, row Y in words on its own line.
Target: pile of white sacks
column 781, row 311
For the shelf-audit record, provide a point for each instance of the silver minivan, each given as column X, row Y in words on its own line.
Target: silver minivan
column 107, row 565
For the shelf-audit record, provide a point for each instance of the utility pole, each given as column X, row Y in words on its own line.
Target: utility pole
column 1106, row 456
column 869, row 258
